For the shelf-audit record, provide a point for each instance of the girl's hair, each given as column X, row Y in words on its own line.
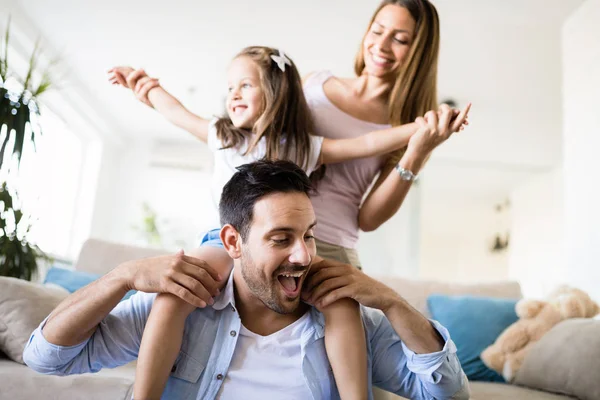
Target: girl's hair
column 415, row 88
column 285, row 121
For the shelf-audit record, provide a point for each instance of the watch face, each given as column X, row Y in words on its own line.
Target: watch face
column 406, row 175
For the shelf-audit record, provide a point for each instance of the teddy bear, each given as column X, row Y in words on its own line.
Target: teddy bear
column 536, row 317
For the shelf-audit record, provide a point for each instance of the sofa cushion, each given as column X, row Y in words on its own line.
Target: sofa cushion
column 69, row 279
column 99, row 256
column 72, row 280
column 504, row 391
column 20, row 382
column 474, row 324
column 490, row 391
column 565, row 360
column 23, row 306
column 416, row 292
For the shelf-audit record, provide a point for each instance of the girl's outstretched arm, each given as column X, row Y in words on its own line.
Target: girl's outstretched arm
column 149, row 91
column 374, row 143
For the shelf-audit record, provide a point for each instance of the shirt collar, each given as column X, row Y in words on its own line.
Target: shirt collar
column 319, row 322
column 226, row 296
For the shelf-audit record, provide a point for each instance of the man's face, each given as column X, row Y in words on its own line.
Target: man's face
column 279, row 249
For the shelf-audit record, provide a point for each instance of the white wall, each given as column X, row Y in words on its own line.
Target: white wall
column 511, row 71
column 536, row 257
column 433, row 238
column 456, row 242
column 581, row 89
column 393, row 249
column 509, row 68
column 180, row 197
column 105, row 196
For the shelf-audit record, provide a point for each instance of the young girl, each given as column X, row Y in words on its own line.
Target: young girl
column 267, row 116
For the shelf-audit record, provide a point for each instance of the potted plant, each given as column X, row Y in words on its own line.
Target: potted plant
column 18, row 105
column 18, row 112
column 18, row 257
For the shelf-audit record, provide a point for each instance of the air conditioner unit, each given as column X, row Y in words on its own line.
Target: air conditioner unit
column 181, row 154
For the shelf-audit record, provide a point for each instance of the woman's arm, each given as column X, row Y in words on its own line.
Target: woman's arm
column 371, row 144
column 388, row 193
column 149, row 91
column 390, row 190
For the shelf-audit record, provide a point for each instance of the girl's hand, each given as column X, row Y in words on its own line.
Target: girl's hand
column 440, row 126
column 142, row 86
column 118, row 75
column 329, row 281
column 137, row 80
column 457, row 123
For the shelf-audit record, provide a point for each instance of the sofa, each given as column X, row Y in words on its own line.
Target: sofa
column 21, row 383
column 97, row 256
column 416, row 293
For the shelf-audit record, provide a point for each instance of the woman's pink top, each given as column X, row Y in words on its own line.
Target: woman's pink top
column 341, row 191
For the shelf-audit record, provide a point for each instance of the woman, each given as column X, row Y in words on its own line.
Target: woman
column 396, row 68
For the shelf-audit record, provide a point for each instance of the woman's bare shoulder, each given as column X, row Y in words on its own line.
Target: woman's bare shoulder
column 342, row 85
column 341, row 81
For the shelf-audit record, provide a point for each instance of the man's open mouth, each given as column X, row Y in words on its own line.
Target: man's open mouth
column 290, row 281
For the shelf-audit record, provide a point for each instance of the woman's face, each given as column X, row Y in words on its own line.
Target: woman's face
column 388, row 40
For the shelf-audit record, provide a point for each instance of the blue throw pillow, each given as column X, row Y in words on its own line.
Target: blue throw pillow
column 474, row 323
column 73, row 280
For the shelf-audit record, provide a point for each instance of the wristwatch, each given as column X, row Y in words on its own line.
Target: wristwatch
column 405, row 174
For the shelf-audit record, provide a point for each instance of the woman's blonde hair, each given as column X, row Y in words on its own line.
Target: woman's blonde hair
column 285, row 121
column 415, row 89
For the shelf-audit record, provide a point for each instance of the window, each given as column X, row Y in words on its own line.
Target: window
column 48, row 184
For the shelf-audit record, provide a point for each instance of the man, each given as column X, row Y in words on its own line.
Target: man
column 268, row 220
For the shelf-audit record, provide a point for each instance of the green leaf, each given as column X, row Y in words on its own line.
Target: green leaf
column 4, row 58
column 32, row 139
column 6, row 139
column 18, row 258
column 5, row 197
column 44, row 85
column 21, row 121
column 32, row 63
column 18, row 216
column 4, row 102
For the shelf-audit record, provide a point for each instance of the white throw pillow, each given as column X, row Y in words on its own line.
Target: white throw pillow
column 23, row 306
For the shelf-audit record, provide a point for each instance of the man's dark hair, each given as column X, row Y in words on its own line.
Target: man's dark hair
column 254, row 181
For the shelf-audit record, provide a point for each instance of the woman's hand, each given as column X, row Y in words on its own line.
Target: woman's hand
column 441, row 125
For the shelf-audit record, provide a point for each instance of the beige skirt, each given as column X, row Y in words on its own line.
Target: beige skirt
column 337, row 253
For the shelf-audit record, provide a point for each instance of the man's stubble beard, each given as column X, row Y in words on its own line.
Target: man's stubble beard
column 261, row 289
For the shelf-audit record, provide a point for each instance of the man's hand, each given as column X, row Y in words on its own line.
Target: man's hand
column 188, row 278
column 330, row 281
